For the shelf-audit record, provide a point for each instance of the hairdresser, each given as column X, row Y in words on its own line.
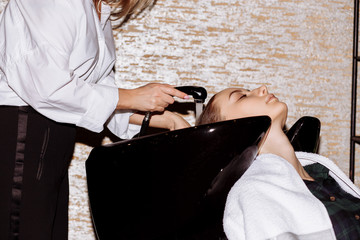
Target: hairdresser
column 56, row 73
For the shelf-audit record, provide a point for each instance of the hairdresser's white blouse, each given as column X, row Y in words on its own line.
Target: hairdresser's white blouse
column 56, row 56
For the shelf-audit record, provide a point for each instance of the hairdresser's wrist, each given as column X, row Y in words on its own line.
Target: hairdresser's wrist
column 165, row 120
column 125, row 99
column 157, row 120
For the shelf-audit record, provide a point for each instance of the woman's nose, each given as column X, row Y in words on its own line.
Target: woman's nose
column 261, row 90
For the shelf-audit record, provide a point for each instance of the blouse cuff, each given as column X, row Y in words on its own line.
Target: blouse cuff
column 101, row 105
column 119, row 125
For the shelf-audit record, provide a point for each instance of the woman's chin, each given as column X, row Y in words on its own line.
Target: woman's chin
column 280, row 116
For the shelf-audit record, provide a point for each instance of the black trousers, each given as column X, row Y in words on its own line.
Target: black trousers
column 35, row 153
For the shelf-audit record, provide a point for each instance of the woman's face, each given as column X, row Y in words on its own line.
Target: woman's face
column 238, row 103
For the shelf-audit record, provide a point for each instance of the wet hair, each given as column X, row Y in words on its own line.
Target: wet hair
column 210, row 114
column 123, row 10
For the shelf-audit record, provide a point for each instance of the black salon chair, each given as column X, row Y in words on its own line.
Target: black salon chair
column 304, row 135
column 174, row 185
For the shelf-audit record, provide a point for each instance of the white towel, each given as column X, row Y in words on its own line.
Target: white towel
column 271, row 201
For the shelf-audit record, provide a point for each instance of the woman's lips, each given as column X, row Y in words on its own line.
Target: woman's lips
column 271, row 98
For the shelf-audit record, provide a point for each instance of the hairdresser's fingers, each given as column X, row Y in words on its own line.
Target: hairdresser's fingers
column 158, row 100
column 165, row 98
column 162, row 95
column 171, row 90
column 159, row 103
column 151, row 97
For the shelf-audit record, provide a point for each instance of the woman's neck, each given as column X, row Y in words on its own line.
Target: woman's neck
column 278, row 143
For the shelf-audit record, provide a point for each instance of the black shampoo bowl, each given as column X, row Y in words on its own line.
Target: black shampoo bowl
column 170, row 185
column 174, row 185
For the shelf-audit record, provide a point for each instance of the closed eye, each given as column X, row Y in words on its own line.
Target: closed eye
column 241, row 97
column 236, row 93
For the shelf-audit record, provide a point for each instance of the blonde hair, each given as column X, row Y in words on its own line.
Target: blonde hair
column 123, row 10
column 210, row 114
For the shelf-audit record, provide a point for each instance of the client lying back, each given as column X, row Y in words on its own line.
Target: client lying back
column 284, row 194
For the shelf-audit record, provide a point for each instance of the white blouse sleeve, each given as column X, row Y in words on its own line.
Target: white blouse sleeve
column 118, row 123
column 45, row 85
column 51, row 61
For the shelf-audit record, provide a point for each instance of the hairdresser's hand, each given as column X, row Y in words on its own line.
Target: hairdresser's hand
column 153, row 97
column 166, row 120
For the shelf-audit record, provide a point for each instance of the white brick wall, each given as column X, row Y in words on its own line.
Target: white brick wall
column 301, row 49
